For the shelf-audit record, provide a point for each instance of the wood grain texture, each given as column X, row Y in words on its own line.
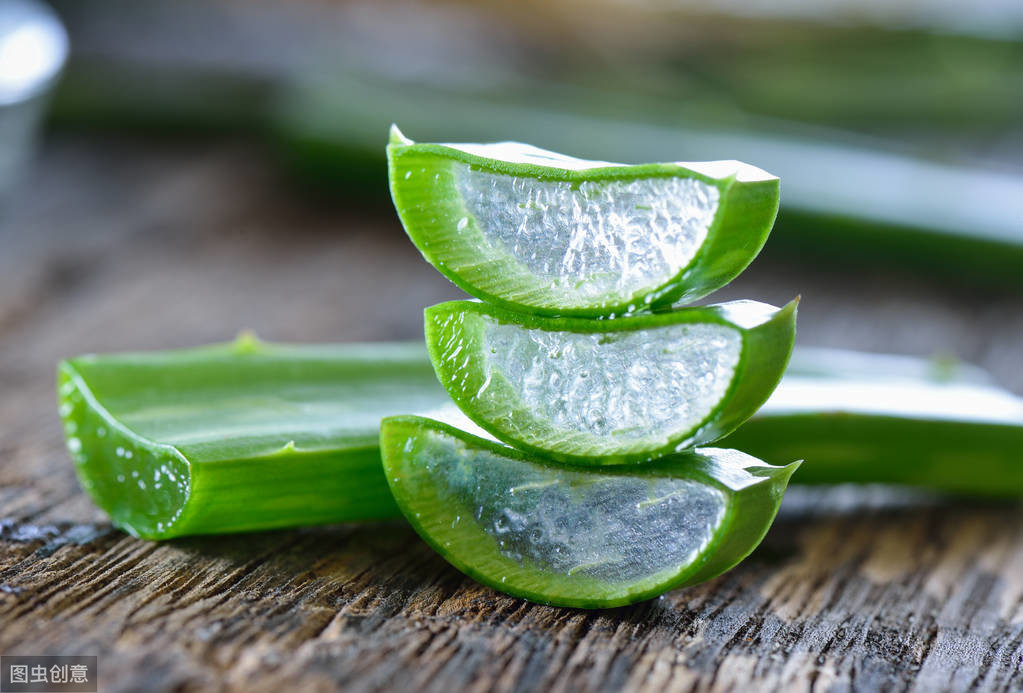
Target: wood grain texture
column 119, row 244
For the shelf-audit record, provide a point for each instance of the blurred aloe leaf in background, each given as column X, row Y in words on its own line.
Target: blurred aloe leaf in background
column 896, row 127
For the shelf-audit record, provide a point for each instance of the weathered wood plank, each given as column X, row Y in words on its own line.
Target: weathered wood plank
column 853, row 589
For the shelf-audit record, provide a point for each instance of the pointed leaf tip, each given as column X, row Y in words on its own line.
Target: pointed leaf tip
column 246, row 342
column 397, row 137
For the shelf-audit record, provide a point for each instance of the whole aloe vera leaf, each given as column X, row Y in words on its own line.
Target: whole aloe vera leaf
column 865, row 418
column 589, row 538
column 540, row 232
column 220, row 419
column 844, row 201
column 594, row 392
column 239, row 436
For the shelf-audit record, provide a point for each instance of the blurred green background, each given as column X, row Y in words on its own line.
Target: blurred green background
column 896, row 127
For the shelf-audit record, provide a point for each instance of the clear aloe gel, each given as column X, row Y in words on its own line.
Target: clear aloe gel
column 594, row 392
column 544, row 233
column 577, row 537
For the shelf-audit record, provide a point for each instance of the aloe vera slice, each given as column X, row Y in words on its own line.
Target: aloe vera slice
column 577, row 537
column 870, row 418
column 610, row 391
column 240, row 436
column 540, row 232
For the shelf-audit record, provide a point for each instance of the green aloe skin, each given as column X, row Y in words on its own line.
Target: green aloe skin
column 869, row 418
column 538, row 232
column 239, row 436
column 575, row 537
column 595, row 392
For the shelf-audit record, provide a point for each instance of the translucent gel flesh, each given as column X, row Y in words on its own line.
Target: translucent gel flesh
column 151, row 486
column 614, row 528
column 631, row 385
column 596, row 239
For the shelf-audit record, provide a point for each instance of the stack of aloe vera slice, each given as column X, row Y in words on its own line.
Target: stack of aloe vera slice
column 588, row 486
column 599, row 493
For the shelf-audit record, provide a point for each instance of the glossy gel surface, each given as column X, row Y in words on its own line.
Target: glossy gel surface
column 592, row 238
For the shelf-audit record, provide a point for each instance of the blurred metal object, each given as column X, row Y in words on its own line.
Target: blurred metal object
column 33, row 48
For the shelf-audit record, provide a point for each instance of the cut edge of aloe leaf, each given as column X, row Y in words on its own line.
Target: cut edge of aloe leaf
column 418, row 452
column 269, row 479
column 432, row 210
column 462, row 355
column 102, row 450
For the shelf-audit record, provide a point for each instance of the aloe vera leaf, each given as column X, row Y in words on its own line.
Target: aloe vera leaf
column 239, row 436
column 879, row 421
column 540, row 232
column 149, row 404
column 876, row 205
column 577, row 537
column 596, row 392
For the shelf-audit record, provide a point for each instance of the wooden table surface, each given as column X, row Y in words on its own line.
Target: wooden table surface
column 116, row 244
